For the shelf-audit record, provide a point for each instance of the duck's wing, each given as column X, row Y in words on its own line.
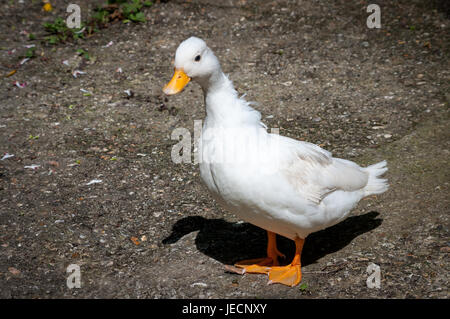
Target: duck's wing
column 314, row 173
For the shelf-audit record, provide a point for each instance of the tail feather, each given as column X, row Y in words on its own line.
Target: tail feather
column 376, row 185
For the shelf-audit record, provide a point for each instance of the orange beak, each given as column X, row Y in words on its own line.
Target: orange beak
column 178, row 82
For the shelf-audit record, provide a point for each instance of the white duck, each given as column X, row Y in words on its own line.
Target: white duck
column 284, row 186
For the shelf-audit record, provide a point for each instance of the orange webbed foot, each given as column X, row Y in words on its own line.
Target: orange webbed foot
column 263, row 265
column 289, row 275
column 257, row 266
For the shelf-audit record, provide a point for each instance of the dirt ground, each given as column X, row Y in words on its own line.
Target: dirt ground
column 149, row 229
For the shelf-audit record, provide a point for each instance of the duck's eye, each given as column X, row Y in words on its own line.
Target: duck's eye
column 197, row 58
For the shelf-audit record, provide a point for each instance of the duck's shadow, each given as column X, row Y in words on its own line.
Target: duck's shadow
column 230, row 242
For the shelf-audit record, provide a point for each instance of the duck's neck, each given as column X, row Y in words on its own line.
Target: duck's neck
column 223, row 106
column 214, row 83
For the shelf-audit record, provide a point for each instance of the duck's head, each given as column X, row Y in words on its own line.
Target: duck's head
column 193, row 60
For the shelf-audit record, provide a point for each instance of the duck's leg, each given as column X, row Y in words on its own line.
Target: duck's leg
column 289, row 275
column 263, row 265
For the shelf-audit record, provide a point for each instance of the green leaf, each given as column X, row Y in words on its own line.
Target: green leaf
column 52, row 39
column 30, row 52
column 84, row 53
column 101, row 16
column 138, row 17
column 130, row 8
column 303, row 286
column 59, row 25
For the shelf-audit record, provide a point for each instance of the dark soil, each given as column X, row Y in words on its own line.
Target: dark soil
column 150, row 229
